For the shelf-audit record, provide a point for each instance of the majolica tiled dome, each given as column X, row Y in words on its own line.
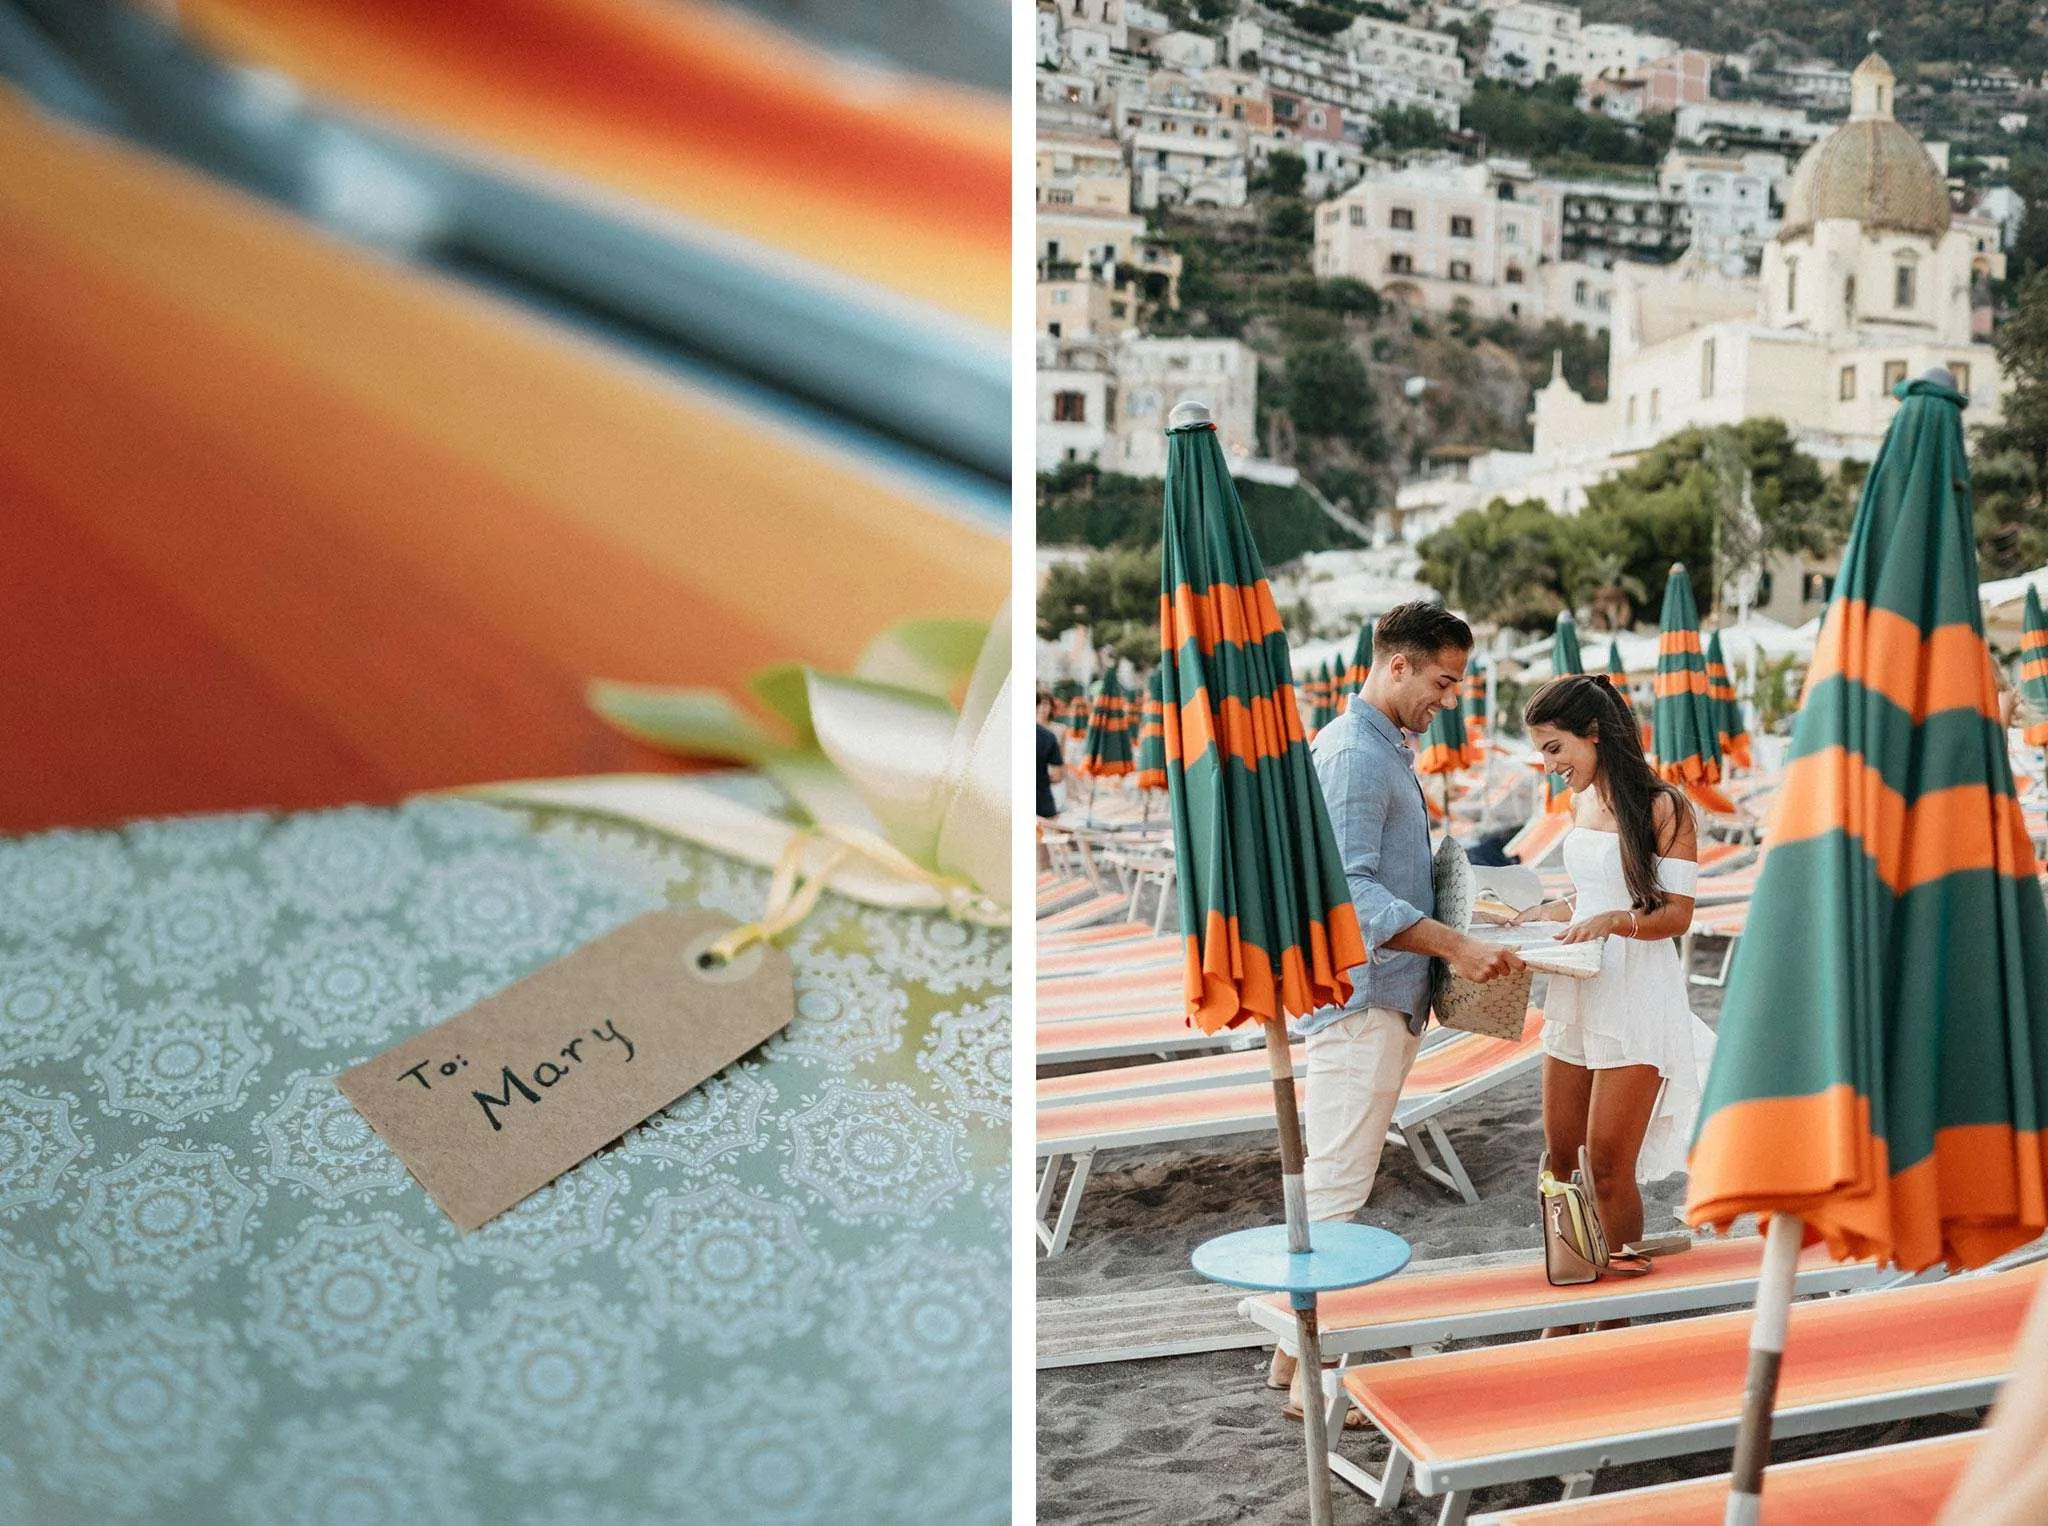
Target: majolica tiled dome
column 1870, row 169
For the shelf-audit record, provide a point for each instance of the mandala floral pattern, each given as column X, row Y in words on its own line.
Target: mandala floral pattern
column 753, row 1450
column 38, row 1144
column 553, row 1386
column 845, row 1010
column 193, row 928
column 726, row 1268
column 349, row 1303
column 925, row 1325
column 937, row 952
column 569, row 1216
column 495, row 907
column 714, row 1122
column 139, row 1412
column 221, row 1295
column 360, row 1467
column 347, row 985
column 185, row 1059
column 162, row 1219
column 969, row 1054
column 61, row 883
column 315, row 1141
column 49, row 998
column 874, row 1153
column 343, row 863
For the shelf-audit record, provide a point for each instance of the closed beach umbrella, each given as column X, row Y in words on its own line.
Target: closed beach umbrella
column 1361, row 664
column 2034, row 669
column 1265, row 909
column 1729, row 730
column 1325, row 706
column 1151, row 739
column 1069, row 707
column 1565, row 661
column 1472, row 706
column 1443, row 745
column 1683, row 729
column 1108, row 751
column 1617, row 672
column 1882, row 1071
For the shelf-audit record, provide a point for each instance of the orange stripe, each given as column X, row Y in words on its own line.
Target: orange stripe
column 1672, row 643
column 2031, row 640
column 1983, row 1192
column 1883, row 651
column 1945, row 831
column 2032, row 668
column 1227, row 612
column 1681, row 682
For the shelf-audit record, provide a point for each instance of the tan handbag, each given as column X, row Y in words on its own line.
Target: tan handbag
column 1574, row 1246
column 1497, row 1008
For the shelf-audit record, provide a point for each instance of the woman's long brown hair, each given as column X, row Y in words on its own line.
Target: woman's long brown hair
column 1589, row 706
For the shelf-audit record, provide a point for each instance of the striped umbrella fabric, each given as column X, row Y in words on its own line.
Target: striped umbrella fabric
column 1683, row 725
column 1472, row 708
column 2034, row 669
column 1729, row 730
column 1882, row 1069
column 1443, row 745
column 1264, row 904
column 1361, row 664
column 1108, row 750
column 1617, row 671
column 1066, row 699
column 1565, row 662
column 1152, row 739
column 1324, row 702
column 1265, row 908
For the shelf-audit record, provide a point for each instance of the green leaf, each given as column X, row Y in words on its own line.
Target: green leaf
column 930, row 656
column 782, row 689
column 701, row 723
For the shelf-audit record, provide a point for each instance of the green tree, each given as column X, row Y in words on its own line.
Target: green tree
column 1328, row 391
column 1114, row 593
column 2011, row 471
column 1291, row 222
column 1506, row 562
column 1285, row 173
column 1404, row 127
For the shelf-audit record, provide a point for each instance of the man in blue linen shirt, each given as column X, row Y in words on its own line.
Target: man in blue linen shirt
column 1359, row 1054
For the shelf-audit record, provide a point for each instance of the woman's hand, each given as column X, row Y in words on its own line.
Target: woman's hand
column 1494, row 915
column 1599, row 925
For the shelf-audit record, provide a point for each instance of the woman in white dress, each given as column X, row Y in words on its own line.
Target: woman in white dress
column 1624, row 1056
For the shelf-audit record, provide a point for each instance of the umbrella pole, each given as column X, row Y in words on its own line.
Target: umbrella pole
column 1766, row 1353
column 1280, row 1065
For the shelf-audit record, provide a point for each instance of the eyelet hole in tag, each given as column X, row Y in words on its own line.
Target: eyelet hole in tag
column 705, row 965
column 491, row 1105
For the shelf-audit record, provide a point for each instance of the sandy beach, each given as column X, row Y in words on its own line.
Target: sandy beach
column 1193, row 1440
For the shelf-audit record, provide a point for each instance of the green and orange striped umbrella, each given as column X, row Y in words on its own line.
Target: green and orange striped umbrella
column 1729, row 730
column 1066, row 699
column 1108, row 751
column 1443, row 745
column 1882, row 1069
column 1323, row 699
column 2034, row 669
column 1683, row 726
column 1472, row 707
column 1151, row 739
column 1617, row 670
column 1565, row 662
column 1361, row 664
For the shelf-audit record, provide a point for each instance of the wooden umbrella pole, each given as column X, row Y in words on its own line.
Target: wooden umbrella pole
column 1766, row 1355
column 1314, row 1416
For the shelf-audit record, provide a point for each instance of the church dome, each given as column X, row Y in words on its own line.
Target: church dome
column 1870, row 170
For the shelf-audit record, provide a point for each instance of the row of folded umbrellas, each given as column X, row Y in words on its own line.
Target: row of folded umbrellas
column 1883, row 1054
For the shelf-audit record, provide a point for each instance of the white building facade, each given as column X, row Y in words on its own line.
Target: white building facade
column 1438, row 235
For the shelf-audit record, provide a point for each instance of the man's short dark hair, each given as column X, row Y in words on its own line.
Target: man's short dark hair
column 1420, row 630
column 1045, row 698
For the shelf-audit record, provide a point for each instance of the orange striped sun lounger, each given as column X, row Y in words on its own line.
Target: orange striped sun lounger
column 1725, row 922
column 1078, row 1127
column 1542, row 837
column 1564, row 1408
column 1901, row 1485
column 1115, row 1038
column 1057, row 965
column 1419, row 1313
column 1065, row 893
column 1086, row 913
column 1103, row 936
column 1112, row 992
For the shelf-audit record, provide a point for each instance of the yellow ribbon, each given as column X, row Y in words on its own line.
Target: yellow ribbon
column 793, row 892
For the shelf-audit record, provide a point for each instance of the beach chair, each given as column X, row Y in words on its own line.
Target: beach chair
column 1068, row 890
column 1096, row 908
column 1077, row 1128
column 1102, row 936
column 1905, row 1484
column 1725, row 922
column 1114, row 992
column 1565, row 1408
column 1137, row 953
column 1423, row 1313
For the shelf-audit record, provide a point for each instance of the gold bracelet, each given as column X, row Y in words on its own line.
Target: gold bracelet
column 1635, row 924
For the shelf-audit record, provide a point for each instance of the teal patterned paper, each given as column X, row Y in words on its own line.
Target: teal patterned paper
column 786, row 1298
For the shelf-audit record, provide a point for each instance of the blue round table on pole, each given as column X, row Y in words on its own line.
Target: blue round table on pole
column 1340, row 1255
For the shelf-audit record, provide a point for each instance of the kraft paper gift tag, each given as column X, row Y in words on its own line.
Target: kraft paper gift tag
column 496, row 1102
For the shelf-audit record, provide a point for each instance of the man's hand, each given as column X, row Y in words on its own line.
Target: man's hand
column 1480, row 961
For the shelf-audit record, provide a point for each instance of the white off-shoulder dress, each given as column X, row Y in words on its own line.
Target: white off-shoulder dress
column 1635, row 1011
